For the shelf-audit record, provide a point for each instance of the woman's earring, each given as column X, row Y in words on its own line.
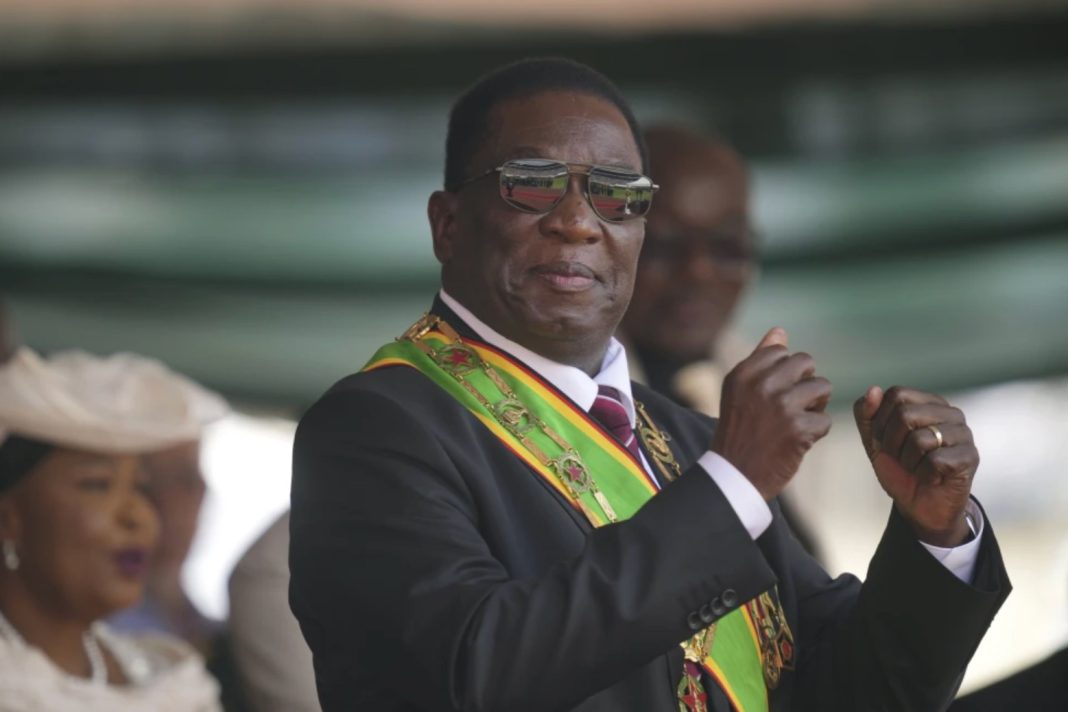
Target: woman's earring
column 11, row 557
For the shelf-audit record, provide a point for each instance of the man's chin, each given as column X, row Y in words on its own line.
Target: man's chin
column 565, row 325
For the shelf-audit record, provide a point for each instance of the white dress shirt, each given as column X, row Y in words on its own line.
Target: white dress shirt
column 745, row 500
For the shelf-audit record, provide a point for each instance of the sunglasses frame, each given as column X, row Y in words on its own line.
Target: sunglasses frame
column 585, row 169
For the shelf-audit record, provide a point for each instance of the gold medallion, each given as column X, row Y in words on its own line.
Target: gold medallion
column 513, row 415
column 572, row 469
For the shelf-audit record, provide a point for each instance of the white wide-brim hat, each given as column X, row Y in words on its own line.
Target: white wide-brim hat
column 120, row 404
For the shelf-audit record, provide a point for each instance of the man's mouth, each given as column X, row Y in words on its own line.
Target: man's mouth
column 567, row 276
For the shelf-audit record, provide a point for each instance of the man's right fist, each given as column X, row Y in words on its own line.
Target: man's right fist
column 771, row 413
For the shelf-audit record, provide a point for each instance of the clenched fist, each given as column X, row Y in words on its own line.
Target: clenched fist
column 924, row 456
column 771, row 413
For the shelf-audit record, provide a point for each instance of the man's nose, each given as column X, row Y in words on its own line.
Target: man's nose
column 573, row 218
column 698, row 265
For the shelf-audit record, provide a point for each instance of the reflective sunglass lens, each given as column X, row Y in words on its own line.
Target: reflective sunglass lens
column 534, row 186
column 619, row 196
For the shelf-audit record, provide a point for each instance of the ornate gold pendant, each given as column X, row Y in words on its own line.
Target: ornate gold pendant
column 699, row 646
column 691, row 693
column 656, row 443
column 776, row 638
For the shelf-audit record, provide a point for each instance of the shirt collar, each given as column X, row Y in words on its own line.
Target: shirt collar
column 569, row 380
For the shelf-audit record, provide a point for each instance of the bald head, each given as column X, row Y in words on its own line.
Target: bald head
column 698, row 252
column 703, row 182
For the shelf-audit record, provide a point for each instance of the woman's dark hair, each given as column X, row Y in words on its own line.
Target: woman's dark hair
column 19, row 455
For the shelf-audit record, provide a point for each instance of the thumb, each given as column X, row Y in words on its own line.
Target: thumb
column 864, row 410
column 776, row 336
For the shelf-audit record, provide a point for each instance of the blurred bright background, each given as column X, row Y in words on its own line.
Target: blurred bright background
column 238, row 187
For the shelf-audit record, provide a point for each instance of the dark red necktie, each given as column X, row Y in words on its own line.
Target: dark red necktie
column 609, row 412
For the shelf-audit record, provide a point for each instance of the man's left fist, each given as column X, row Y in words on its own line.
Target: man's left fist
column 924, row 457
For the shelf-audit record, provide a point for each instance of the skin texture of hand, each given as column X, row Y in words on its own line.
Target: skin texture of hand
column 930, row 485
column 771, row 413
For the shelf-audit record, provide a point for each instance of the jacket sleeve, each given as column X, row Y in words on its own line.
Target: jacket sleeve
column 393, row 579
column 901, row 640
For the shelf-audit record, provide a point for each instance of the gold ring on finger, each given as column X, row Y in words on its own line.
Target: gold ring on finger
column 938, row 435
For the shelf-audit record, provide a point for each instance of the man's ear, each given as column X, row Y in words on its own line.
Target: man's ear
column 441, row 209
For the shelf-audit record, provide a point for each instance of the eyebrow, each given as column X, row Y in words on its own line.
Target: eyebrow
column 94, row 460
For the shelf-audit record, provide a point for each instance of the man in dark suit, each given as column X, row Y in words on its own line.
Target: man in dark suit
column 466, row 536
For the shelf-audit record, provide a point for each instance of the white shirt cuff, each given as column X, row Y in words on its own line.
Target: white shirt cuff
column 960, row 560
column 743, row 497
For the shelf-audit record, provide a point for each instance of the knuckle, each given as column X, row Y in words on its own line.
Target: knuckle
column 893, row 394
column 908, row 416
column 942, row 466
column 824, row 423
column 897, row 415
column 773, row 353
column 764, row 390
column 731, row 378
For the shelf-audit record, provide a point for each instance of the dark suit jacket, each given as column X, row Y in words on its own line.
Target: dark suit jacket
column 1043, row 687
column 432, row 570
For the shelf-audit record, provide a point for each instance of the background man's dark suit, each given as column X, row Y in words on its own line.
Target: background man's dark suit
column 432, row 570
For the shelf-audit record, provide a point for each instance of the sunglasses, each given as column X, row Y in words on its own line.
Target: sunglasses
column 537, row 185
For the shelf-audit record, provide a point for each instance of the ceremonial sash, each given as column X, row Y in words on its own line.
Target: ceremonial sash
column 593, row 471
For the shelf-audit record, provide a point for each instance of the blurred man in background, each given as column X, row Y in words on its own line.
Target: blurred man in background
column 1043, row 687
column 272, row 660
column 7, row 334
column 699, row 257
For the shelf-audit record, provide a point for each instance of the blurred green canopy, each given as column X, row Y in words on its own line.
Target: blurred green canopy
column 253, row 211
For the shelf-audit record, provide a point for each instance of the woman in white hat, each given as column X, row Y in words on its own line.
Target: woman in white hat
column 77, row 532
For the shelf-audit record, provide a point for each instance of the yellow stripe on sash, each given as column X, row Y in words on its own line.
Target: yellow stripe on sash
column 568, row 411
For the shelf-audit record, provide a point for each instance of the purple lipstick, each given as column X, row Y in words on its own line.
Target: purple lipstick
column 132, row 563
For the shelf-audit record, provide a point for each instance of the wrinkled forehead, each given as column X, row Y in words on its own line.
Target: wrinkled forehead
column 568, row 126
